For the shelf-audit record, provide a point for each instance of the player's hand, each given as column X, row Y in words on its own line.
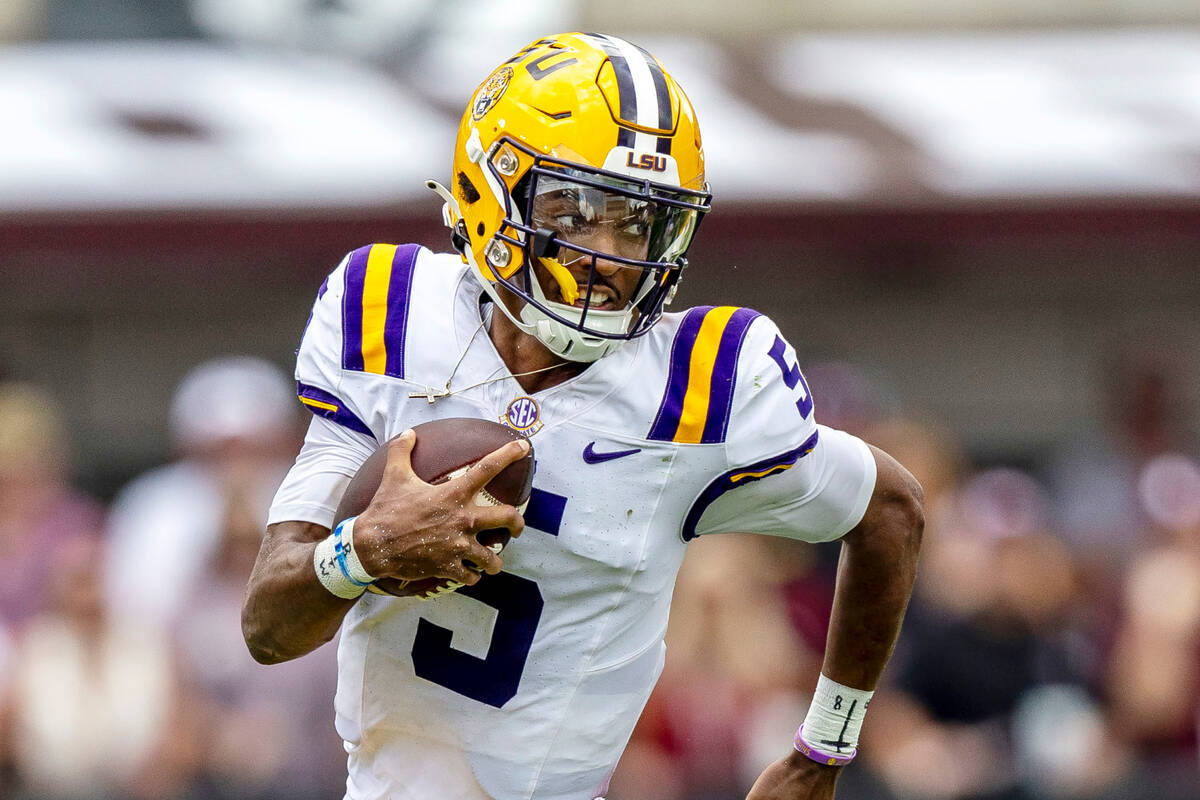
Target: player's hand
column 413, row 530
column 795, row 777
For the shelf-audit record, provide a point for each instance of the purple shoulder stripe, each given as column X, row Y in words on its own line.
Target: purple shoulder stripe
column 740, row 477
column 666, row 422
column 352, row 311
column 395, row 314
column 724, row 375
column 399, row 295
column 330, row 406
column 718, row 385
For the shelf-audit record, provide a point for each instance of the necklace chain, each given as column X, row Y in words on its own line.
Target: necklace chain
column 430, row 394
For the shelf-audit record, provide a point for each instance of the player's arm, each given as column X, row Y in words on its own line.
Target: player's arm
column 875, row 577
column 874, row 582
column 790, row 476
column 410, row 530
column 306, row 578
column 287, row 612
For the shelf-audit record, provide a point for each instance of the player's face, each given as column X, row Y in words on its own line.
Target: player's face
column 601, row 221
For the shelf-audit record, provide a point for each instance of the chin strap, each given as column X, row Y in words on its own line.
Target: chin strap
column 563, row 340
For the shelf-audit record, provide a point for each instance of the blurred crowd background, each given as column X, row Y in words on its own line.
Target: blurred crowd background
column 979, row 225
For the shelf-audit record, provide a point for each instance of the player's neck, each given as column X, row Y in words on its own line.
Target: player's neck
column 531, row 364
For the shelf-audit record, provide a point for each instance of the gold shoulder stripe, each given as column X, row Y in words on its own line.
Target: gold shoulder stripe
column 700, row 370
column 375, row 307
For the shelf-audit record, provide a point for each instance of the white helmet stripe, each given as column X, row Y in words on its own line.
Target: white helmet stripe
column 663, row 98
column 645, row 110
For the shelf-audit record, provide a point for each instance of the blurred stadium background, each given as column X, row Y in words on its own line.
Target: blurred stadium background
column 979, row 224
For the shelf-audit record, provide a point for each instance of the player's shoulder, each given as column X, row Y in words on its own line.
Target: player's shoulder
column 381, row 307
column 702, row 356
column 391, row 276
column 720, row 328
column 377, row 299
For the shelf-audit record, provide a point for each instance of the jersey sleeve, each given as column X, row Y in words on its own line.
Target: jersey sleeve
column 356, row 332
column 330, row 457
column 319, row 361
column 353, row 342
column 786, row 475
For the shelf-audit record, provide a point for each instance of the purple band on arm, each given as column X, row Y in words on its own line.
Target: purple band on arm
column 330, row 406
column 741, row 477
column 828, row 759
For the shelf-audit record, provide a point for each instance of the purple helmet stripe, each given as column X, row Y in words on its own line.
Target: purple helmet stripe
column 627, row 96
column 724, row 375
column 764, row 468
column 331, row 407
column 665, row 120
column 626, row 93
column 352, row 310
column 666, row 423
column 660, row 91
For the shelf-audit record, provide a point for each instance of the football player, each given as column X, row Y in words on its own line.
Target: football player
column 576, row 186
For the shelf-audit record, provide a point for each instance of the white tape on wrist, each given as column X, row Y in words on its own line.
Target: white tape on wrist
column 835, row 719
column 337, row 564
column 347, row 554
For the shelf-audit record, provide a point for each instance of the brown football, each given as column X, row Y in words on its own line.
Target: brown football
column 443, row 449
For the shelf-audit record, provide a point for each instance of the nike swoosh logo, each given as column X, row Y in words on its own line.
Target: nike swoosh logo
column 592, row 457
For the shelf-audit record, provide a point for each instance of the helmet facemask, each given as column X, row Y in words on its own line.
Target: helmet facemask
column 557, row 215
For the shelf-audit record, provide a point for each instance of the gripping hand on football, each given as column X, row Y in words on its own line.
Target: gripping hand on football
column 413, row 530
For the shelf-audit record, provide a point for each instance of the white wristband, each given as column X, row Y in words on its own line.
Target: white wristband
column 344, row 542
column 337, row 565
column 835, row 718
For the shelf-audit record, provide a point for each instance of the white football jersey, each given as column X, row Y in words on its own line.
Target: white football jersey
column 528, row 684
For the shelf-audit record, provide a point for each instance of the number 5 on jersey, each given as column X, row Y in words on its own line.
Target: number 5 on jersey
column 783, row 355
column 495, row 678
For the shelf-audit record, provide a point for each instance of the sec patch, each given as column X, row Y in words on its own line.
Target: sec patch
column 523, row 416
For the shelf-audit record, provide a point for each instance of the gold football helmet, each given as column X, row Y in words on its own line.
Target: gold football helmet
column 598, row 125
